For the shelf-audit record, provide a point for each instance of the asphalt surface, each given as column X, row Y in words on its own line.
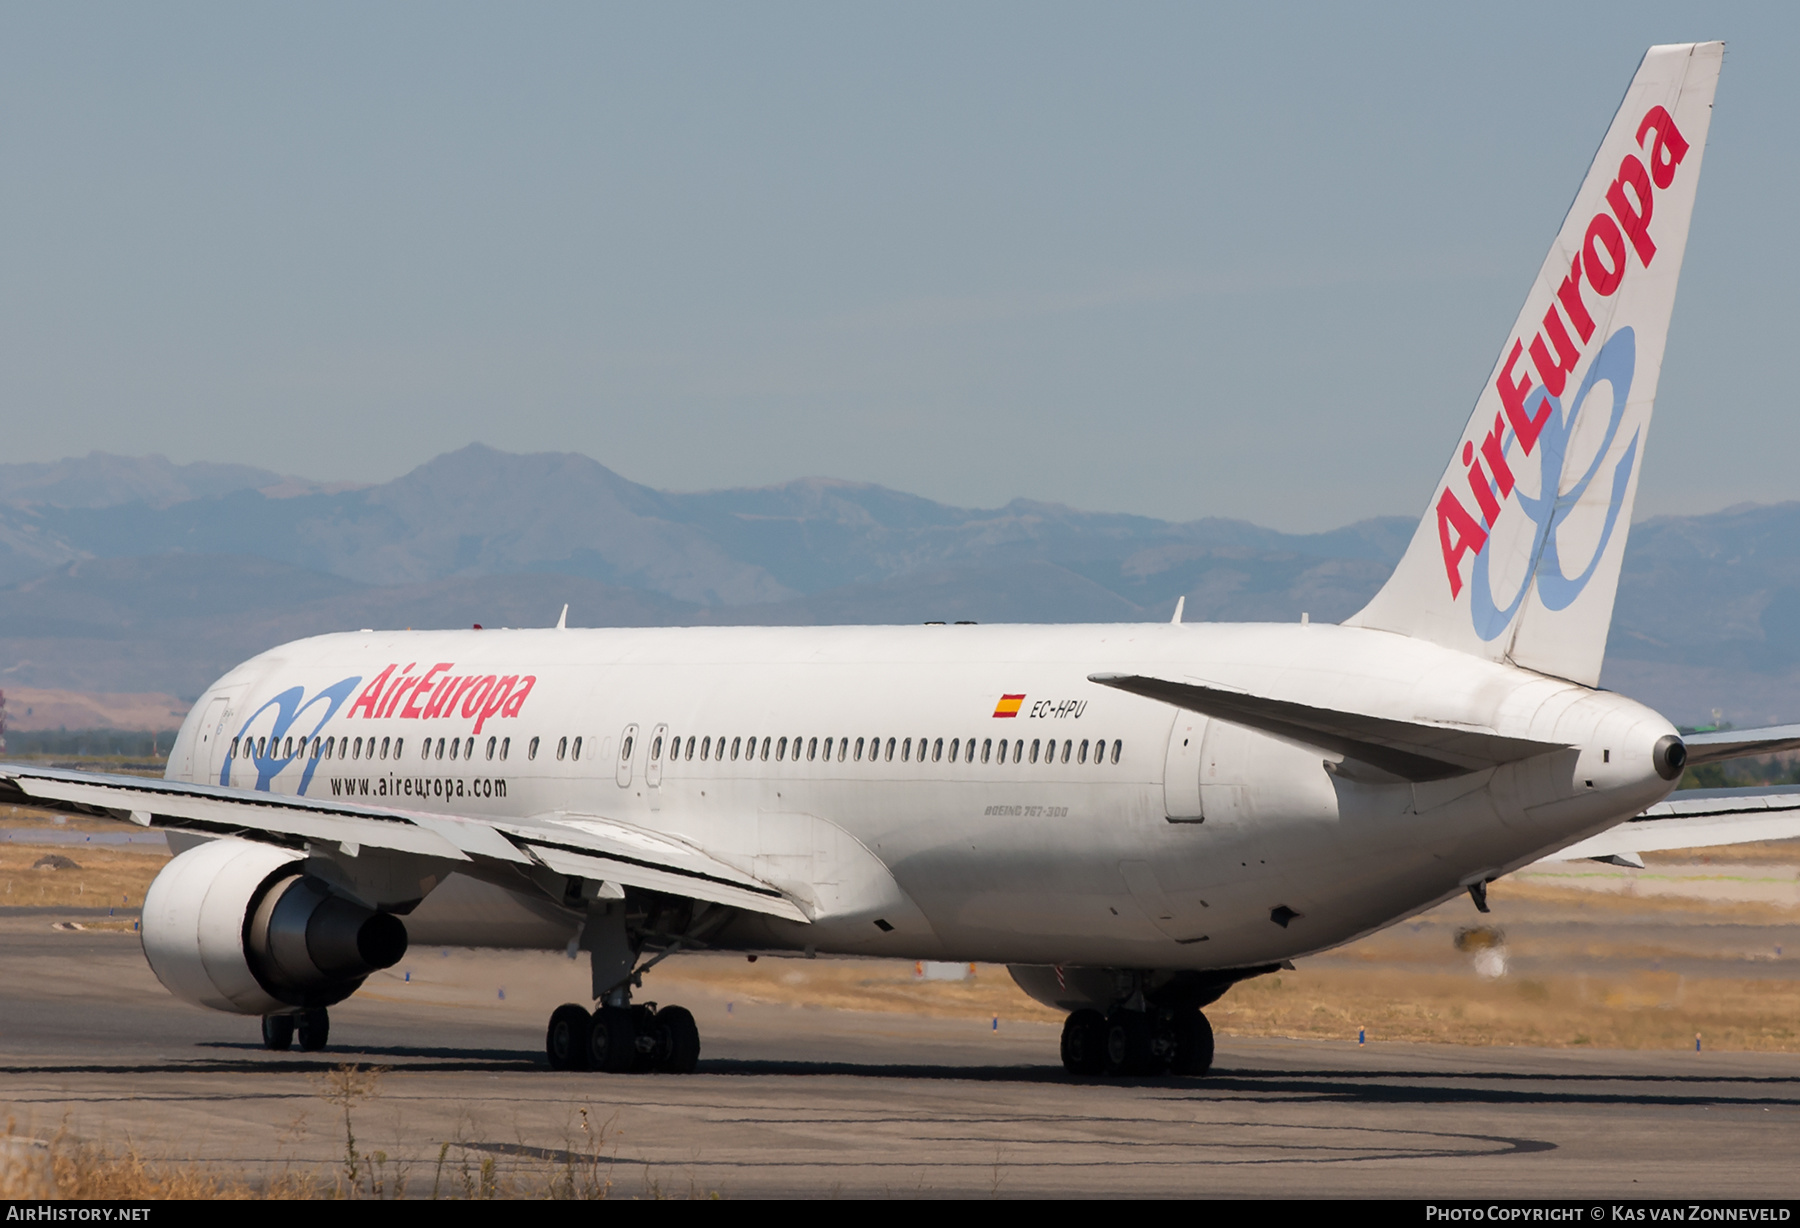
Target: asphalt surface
column 824, row 1102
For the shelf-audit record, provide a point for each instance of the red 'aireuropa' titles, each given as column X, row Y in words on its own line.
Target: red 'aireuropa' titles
column 429, row 696
column 1600, row 264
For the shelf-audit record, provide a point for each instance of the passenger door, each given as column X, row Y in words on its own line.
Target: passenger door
column 203, row 751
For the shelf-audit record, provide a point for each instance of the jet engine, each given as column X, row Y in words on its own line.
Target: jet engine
column 240, row 927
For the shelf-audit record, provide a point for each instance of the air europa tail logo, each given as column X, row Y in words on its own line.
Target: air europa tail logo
column 439, row 694
column 1533, row 413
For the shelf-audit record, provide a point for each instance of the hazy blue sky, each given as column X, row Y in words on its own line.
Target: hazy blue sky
column 1173, row 259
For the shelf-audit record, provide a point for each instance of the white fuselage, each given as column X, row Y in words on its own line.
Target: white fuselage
column 1168, row 848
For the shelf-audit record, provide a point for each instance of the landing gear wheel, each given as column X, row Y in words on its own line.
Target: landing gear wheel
column 278, row 1032
column 678, row 1041
column 314, row 1029
column 1127, row 1048
column 566, row 1041
column 1083, row 1042
column 612, row 1041
column 644, row 1037
column 1193, row 1044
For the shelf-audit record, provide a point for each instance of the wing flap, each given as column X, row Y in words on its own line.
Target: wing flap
column 629, row 845
column 596, row 847
column 1411, row 750
column 476, row 839
column 755, row 897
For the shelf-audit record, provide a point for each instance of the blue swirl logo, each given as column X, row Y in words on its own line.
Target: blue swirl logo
column 1615, row 364
column 289, row 707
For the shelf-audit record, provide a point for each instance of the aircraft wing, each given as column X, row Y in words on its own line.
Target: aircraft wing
column 588, row 846
column 578, row 845
column 1696, row 818
column 1411, row 750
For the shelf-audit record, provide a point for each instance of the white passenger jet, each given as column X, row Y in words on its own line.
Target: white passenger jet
column 1133, row 817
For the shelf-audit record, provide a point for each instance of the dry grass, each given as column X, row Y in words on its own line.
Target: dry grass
column 886, row 985
column 1648, row 1010
column 108, row 877
column 1439, row 1000
column 31, row 817
column 83, row 1169
column 89, row 1171
column 1586, row 903
column 1784, row 852
column 59, row 709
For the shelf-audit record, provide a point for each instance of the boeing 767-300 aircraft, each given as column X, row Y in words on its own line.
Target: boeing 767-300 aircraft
column 1133, row 817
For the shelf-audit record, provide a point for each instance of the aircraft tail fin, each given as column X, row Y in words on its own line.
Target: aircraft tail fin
column 1518, row 556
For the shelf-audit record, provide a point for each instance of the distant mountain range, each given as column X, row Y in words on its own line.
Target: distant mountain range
column 136, row 574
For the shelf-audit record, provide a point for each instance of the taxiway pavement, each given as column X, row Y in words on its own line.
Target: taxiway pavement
column 791, row 1100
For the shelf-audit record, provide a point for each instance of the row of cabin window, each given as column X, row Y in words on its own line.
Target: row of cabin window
column 355, row 748
column 1070, row 750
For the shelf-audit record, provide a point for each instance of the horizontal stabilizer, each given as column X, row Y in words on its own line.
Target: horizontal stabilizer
column 1698, row 818
column 1410, row 750
column 1737, row 743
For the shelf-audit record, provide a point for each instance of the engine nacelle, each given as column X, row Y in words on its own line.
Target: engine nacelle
column 239, row 927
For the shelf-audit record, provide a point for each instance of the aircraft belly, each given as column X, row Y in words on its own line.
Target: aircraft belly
column 467, row 912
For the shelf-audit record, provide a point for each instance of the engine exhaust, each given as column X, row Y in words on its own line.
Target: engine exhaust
column 304, row 941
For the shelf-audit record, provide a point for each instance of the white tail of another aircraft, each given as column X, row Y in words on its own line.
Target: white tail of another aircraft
column 1518, row 556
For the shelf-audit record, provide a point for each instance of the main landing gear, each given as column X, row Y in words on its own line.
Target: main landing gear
column 311, row 1028
column 622, row 1039
column 1167, row 1040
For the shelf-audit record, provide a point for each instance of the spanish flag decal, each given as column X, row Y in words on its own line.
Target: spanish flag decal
column 1009, row 705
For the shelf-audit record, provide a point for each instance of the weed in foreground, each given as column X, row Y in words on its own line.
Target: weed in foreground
column 75, row 1168
column 344, row 1087
column 71, row 1167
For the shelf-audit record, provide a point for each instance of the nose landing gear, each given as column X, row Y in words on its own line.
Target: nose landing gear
column 1169, row 1040
column 623, row 1039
